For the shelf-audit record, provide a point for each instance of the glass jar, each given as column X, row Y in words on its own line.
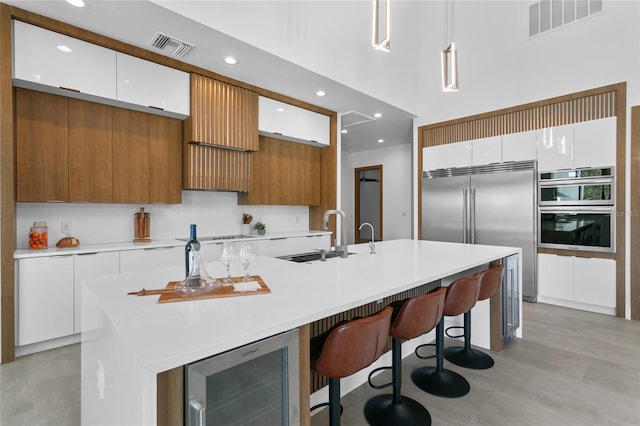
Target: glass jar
column 39, row 236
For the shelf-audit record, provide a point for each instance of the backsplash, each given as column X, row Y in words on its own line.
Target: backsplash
column 215, row 213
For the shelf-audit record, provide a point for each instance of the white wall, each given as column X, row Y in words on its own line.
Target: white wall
column 215, row 213
column 396, row 191
column 499, row 66
column 331, row 38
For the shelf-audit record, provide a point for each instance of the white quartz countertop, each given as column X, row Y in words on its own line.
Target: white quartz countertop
column 130, row 245
column 165, row 336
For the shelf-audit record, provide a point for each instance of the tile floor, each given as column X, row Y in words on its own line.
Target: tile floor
column 571, row 368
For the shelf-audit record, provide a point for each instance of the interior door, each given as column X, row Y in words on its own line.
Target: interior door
column 443, row 208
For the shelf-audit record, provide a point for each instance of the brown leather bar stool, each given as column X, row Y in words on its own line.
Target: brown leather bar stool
column 411, row 318
column 461, row 296
column 466, row 356
column 347, row 348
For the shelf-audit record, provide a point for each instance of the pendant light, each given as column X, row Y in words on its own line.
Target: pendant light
column 381, row 34
column 449, row 56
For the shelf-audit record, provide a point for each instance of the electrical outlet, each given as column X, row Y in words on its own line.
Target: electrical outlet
column 66, row 228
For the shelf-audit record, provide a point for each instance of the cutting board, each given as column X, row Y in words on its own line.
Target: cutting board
column 225, row 291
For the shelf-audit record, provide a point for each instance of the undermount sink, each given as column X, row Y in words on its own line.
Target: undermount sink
column 310, row 257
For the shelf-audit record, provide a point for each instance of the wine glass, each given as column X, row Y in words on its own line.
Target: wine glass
column 246, row 254
column 228, row 256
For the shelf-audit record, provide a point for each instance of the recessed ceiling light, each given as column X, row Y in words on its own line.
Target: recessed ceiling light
column 320, row 93
column 230, row 60
column 280, row 109
column 380, row 140
column 64, row 48
column 76, row 3
column 377, row 115
column 345, row 131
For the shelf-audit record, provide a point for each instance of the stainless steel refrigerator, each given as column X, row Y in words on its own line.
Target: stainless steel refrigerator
column 492, row 205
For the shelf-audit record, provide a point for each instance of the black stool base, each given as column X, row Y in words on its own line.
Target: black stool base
column 445, row 383
column 468, row 358
column 381, row 411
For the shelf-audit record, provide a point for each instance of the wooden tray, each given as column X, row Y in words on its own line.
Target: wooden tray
column 225, row 291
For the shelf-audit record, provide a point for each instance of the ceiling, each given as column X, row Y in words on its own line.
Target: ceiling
column 136, row 22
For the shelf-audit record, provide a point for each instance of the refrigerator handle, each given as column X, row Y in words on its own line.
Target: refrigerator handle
column 464, row 215
column 472, row 212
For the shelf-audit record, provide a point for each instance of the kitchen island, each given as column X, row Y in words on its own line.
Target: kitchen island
column 128, row 340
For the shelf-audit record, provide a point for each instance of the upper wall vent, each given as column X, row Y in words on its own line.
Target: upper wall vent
column 353, row 118
column 170, row 44
column 548, row 15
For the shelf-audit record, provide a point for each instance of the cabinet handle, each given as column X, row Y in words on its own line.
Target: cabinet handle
column 87, row 254
column 276, row 239
column 61, row 256
column 70, row 89
column 158, row 248
column 155, row 107
column 197, row 411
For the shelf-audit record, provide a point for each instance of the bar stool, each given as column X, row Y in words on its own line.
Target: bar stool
column 345, row 349
column 411, row 318
column 466, row 356
column 461, row 296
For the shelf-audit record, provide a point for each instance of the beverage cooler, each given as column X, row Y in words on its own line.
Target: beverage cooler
column 254, row 385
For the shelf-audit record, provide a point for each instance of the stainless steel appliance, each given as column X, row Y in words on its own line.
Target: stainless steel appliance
column 493, row 204
column 577, row 187
column 577, row 209
column 577, row 228
column 510, row 299
column 257, row 384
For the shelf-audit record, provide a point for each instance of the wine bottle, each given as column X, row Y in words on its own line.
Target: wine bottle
column 192, row 245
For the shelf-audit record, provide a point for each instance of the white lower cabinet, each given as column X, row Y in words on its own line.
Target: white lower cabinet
column 274, row 247
column 555, row 276
column 594, row 281
column 150, row 258
column 87, row 266
column 48, row 289
column 578, row 282
column 44, row 299
column 292, row 245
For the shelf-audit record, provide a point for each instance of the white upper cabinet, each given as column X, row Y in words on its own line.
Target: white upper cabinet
column 458, row 154
column 284, row 121
column 54, row 63
column 43, row 57
column 152, row 85
column 595, row 143
column 555, row 148
column 519, row 146
column 276, row 117
column 312, row 126
column 487, row 150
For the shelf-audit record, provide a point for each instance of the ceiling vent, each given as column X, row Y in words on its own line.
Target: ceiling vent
column 353, row 118
column 171, row 45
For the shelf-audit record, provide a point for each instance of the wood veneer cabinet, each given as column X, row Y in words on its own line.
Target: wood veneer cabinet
column 130, row 156
column 284, row 173
column 80, row 151
column 222, row 115
column 165, row 167
column 147, row 158
column 90, row 152
column 42, row 145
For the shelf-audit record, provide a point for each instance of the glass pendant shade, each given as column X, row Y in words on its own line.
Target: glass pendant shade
column 450, row 68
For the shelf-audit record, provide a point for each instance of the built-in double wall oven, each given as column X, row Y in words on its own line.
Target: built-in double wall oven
column 577, row 209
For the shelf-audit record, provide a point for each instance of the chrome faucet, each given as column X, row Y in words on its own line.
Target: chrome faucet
column 372, row 244
column 342, row 248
